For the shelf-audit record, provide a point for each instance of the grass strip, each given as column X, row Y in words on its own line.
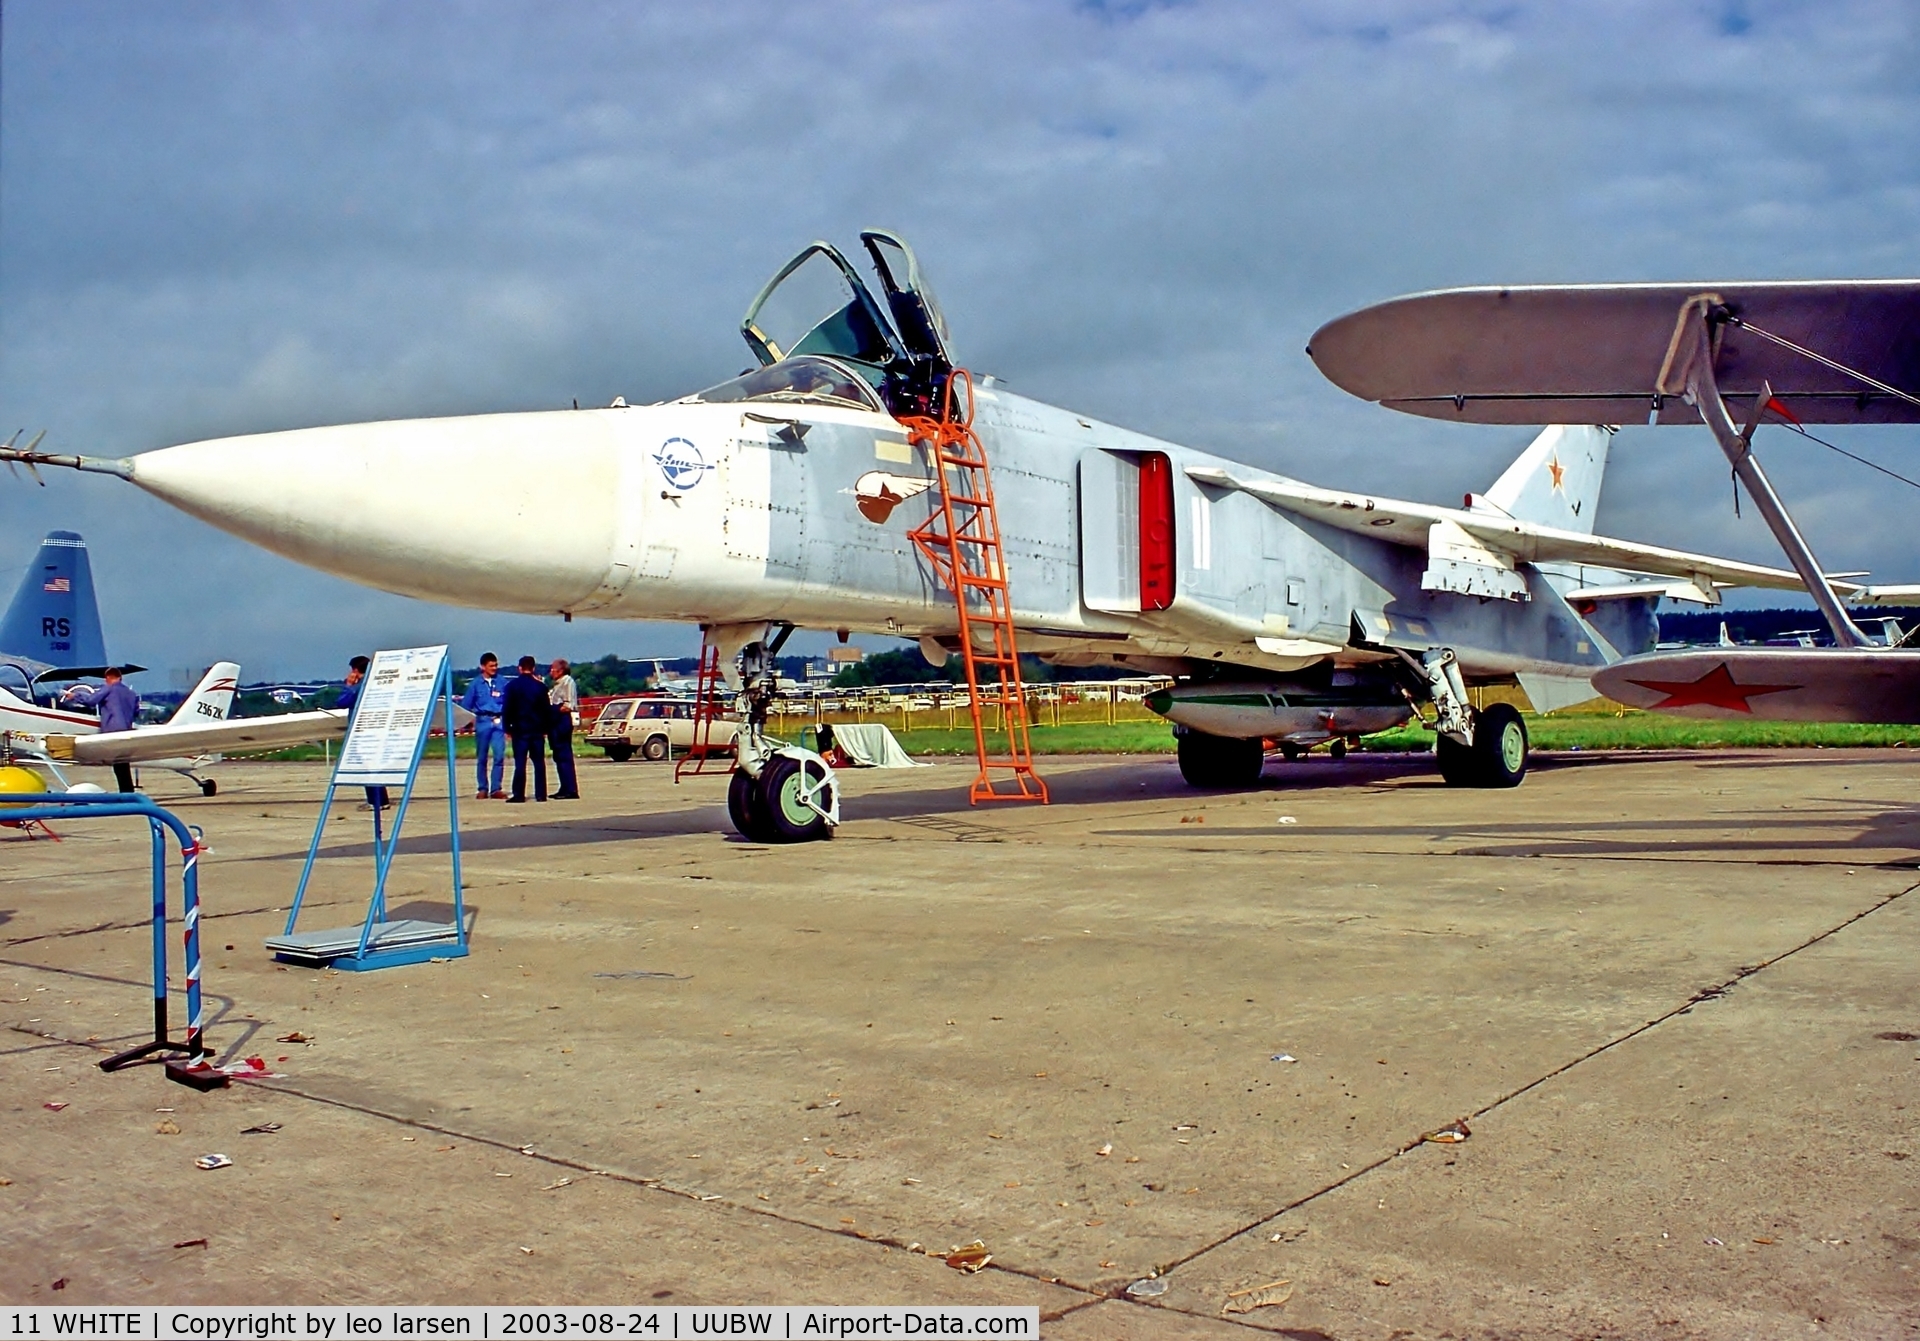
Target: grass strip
column 1581, row 731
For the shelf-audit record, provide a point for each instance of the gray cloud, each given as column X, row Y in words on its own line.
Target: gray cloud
column 232, row 217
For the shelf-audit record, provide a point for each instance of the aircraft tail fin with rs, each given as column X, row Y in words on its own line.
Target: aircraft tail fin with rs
column 54, row 618
column 1556, row 481
column 212, row 698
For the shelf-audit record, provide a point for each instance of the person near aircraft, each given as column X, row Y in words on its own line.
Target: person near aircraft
column 563, row 697
column 349, row 696
column 486, row 700
column 117, row 705
column 525, row 714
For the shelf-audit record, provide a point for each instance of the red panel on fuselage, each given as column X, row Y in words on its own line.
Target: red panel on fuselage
column 1156, row 531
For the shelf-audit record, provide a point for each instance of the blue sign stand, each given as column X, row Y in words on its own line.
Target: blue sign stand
column 379, row 942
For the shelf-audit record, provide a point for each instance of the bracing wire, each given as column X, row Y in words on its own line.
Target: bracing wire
column 1872, row 465
column 1824, row 361
column 1838, row 367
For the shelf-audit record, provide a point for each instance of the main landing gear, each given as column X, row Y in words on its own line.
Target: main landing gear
column 1487, row 748
column 1497, row 756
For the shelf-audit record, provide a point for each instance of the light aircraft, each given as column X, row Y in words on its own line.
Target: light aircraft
column 286, row 695
column 51, row 635
column 667, row 682
column 1729, row 355
column 784, row 498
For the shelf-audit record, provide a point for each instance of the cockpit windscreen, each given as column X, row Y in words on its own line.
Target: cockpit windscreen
column 805, row 378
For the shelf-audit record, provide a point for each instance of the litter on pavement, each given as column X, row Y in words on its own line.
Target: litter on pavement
column 1270, row 1295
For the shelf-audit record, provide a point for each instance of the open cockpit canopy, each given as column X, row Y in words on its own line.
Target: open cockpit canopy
column 817, row 304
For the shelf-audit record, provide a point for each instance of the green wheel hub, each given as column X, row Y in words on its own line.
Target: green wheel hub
column 1513, row 746
column 792, row 806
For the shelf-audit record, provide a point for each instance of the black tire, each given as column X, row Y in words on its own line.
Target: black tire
column 1338, row 749
column 1219, row 763
column 787, row 816
column 1458, row 765
column 1500, row 746
column 655, row 749
column 618, row 751
column 1498, row 755
column 208, row 786
column 745, row 810
column 1290, row 752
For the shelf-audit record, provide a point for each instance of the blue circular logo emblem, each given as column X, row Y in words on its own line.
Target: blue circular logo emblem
column 680, row 461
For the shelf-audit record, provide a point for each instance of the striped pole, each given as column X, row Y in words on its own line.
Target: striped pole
column 159, row 928
column 190, row 889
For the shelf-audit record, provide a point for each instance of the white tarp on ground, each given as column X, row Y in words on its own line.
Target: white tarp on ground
column 871, row 746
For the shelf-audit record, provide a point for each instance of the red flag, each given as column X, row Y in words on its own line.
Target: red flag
column 1774, row 404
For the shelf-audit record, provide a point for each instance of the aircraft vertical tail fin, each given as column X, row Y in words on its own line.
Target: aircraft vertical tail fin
column 212, row 699
column 54, row 617
column 1556, row 481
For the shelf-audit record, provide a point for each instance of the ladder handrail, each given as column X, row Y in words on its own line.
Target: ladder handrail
column 945, row 540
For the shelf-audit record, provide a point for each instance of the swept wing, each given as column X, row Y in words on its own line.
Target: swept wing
column 1506, row 540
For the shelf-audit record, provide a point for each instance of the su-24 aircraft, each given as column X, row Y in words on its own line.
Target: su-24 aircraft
column 51, row 636
column 784, row 497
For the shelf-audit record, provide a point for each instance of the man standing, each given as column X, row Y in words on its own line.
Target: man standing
column 486, row 700
column 117, row 705
column 563, row 697
column 525, row 715
column 349, row 696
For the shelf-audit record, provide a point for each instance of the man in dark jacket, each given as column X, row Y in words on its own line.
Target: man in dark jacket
column 525, row 714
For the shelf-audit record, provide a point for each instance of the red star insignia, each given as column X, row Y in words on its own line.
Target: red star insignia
column 1558, row 471
column 1715, row 689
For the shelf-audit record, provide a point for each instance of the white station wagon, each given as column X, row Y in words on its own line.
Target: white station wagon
column 653, row 728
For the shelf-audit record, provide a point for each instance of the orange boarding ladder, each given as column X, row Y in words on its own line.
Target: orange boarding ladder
column 962, row 542
column 706, row 755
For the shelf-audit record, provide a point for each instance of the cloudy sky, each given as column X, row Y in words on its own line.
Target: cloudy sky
column 231, row 216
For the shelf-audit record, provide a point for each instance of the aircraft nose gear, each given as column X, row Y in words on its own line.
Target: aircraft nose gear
column 778, row 793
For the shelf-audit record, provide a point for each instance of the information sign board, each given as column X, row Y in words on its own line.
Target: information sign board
column 390, row 717
column 386, row 740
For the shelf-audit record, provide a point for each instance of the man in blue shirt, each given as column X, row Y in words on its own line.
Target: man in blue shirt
column 486, row 699
column 117, row 705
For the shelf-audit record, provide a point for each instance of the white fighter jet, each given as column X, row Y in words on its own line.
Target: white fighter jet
column 785, row 497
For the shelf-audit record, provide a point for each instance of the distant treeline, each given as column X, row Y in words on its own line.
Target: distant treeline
column 1759, row 626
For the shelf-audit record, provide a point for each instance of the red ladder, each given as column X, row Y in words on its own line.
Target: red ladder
column 962, row 542
column 706, row 755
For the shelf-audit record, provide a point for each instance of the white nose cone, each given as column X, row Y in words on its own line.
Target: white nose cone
column 503, row 512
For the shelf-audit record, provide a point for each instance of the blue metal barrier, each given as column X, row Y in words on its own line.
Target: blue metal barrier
column 105, row 805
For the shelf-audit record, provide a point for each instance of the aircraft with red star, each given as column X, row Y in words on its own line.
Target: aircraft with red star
column 1799, row 352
